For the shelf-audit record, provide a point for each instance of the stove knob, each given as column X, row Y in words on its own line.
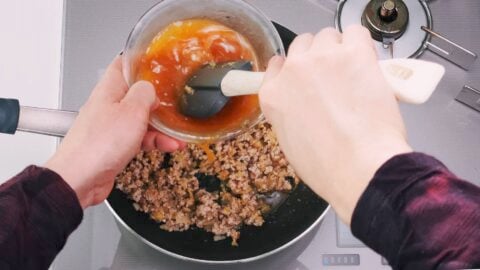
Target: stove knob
column 386, row 19
column 388, row 11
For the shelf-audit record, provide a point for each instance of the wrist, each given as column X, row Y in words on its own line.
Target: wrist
column 346, row 192
column 67, row 171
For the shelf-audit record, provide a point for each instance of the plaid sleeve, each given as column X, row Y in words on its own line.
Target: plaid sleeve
column 419, row 215
column 38, row 211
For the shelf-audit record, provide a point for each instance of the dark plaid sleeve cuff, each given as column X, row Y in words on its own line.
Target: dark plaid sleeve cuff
column 418, row 215
column 39, row 210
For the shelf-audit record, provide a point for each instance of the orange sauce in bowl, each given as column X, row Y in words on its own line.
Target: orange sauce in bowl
column 176, row 54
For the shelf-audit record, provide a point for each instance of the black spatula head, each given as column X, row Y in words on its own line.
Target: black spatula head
column 203, row 97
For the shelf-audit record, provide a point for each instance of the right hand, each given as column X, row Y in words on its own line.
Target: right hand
column 335, row 116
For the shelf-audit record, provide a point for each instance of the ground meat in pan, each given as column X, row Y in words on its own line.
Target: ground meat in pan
column 179, row 191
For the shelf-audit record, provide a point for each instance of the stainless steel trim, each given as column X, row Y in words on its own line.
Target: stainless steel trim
column 62, row 54
column 428, row 12
column 337, row 15
column 450, row 50
column 175, row 255
column 45, row 121
column 470, row 97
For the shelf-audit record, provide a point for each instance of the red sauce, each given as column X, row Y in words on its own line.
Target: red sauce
column 177, row 53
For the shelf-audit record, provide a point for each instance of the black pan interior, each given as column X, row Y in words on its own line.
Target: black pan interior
column 301, row 209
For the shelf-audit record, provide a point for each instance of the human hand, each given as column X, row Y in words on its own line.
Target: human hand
column 336, row 118
column 109, row 131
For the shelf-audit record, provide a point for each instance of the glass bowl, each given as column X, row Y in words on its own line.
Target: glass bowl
column 236, row 14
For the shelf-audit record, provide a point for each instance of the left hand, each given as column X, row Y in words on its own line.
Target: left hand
column 109, row 131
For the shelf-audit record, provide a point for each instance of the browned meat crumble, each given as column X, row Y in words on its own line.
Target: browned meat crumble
column 178, row 189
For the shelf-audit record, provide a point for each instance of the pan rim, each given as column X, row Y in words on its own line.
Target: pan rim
column 213, row 262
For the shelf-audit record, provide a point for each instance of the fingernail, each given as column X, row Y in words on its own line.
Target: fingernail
column 177, row 145
column 181, row 145
column 156, row 104
column 172, row 146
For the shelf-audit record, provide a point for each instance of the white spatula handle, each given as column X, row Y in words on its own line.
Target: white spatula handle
column 413, row 81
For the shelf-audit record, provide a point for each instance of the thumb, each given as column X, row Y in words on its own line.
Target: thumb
column 141, row 94
column 267, row 93
column 274, row 67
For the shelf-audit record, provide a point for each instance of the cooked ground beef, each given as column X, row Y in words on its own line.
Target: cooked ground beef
column 216, row 187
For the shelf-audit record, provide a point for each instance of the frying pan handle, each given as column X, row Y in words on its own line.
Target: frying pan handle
column 9, row 115
column 14, row 117
column 45, row 121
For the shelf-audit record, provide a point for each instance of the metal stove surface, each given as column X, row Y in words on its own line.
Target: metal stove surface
column 94, row 31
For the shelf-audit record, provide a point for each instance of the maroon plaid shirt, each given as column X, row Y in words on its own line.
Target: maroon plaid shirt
column 38, row 211
column 414, row 212
column 419, row 215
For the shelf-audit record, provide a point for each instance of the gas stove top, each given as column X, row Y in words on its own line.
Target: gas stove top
column 448, row 126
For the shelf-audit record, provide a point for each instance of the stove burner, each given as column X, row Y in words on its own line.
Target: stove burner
column 395, row 24
column 386, row 19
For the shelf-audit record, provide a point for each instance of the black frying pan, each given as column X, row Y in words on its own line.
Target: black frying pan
column 302, row 210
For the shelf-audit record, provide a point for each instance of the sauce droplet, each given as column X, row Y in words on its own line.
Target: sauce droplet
column 210, row 155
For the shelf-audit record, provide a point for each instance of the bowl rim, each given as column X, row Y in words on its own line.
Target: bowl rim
column 196, row 138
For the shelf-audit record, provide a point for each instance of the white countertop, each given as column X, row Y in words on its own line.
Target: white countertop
column 30, row 54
